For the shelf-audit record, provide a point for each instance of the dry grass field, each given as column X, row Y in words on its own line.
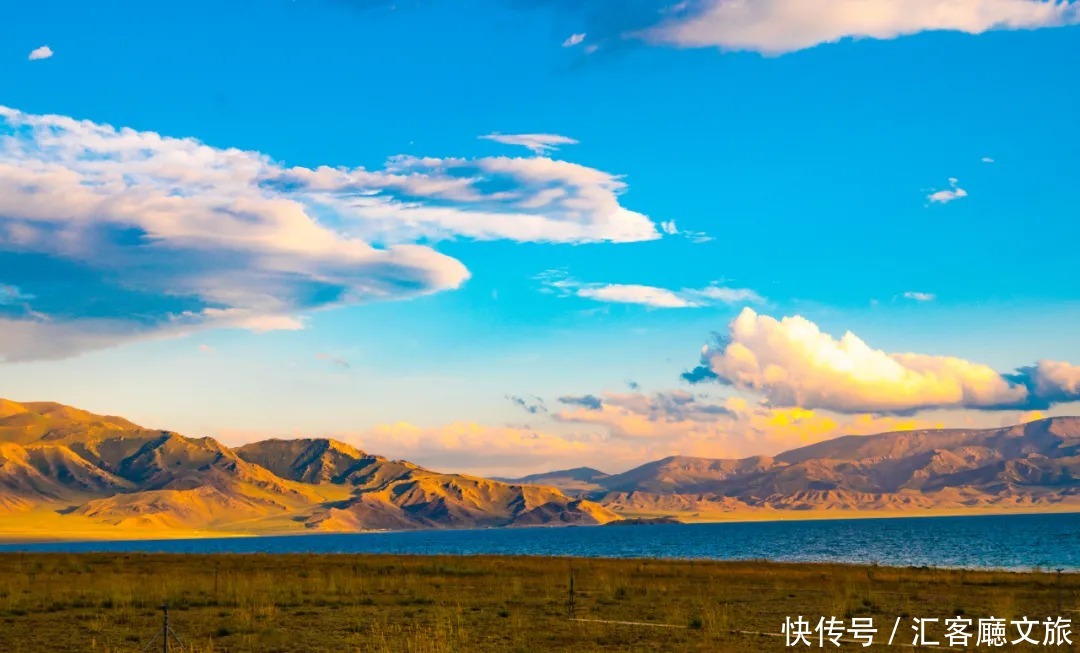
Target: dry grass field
column 308, row 603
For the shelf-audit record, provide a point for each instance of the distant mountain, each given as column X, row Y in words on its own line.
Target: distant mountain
column 89, row 472
column 1031, row 465
column 398, row 494
column 68, row 471
column 578, row 479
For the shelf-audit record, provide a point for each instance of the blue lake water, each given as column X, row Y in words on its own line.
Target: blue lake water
column 1000, row 541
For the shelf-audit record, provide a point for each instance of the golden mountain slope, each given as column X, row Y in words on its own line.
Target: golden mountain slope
column 67, row 469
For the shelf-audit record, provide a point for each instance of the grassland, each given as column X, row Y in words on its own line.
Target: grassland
column 305, row 603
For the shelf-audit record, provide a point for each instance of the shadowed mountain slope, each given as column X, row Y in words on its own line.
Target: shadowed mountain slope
column 1031, row 464
column 579, row 479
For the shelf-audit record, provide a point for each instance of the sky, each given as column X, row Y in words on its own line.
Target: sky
column 509, row 236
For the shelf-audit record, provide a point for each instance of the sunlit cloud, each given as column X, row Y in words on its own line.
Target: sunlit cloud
column 775, row 27
column 677, row 422
column 791, row 362
column 178, row 236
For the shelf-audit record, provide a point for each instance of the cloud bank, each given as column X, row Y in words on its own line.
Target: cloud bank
column 791, row 362
column 154, row 235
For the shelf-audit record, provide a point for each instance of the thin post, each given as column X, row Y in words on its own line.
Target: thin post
column 165, row 628
column 571, row 606
column 1059, row 590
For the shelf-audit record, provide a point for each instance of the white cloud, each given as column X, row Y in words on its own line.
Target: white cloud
column 44, row 52
column 920, row 296
column 651, row 296
column 793, row 363
column 949, row 195
column 207, row 237
column 775, row 27
column 573, row 39
column 540, row 144
column 987, row 159
column 635, row 294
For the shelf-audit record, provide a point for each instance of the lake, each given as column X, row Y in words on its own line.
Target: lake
column 1046, row 541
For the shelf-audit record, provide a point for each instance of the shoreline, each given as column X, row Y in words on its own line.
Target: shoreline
column 104, row 535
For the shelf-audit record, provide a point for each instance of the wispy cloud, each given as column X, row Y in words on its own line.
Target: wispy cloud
column 669, row 227
column 540, row 144
column 560, row 282
column 948, row 195
column 920, row 296
column 12, row 295
column 987, row 159
column 532, row 405
column 588, row 402
column 44, row 52
column 793, row 363
column 574, row 39
column 339, row 362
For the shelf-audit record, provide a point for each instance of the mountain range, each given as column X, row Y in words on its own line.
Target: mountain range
column 72, row 470
column 66, row 472
column 1034, row 465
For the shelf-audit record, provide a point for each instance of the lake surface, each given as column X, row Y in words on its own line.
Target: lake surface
column 1003, row 542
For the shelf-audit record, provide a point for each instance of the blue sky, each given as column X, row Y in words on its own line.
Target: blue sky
column 803, row 177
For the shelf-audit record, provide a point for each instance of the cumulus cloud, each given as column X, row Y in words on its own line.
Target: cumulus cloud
column 987, row 159
column 776, row 27
column 617, row 293
column 162, row 236
column 793, row 363
column 44, row 52
column 1048, row 382
column 540, row 144
column 949, row 195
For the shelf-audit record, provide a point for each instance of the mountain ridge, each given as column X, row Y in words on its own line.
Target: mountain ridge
column 114, row 473
column 76, row 471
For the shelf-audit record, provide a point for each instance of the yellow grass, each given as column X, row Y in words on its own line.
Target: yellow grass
column 305, row 603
